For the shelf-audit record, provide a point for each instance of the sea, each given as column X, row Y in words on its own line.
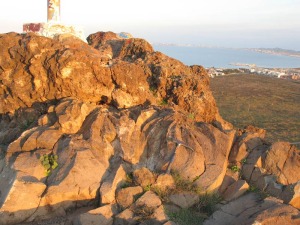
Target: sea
column 226, row 57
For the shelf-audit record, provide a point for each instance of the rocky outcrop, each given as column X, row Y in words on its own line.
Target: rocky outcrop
column 271, row 168
column 124, row 133
column 283, row 160
column 250, row 209
column 93, row 115
column 129, row 139
column 120, row 72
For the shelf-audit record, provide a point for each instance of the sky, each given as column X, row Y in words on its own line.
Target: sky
column 222, row 23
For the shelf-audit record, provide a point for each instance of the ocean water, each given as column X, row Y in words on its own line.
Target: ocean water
column 225, row 57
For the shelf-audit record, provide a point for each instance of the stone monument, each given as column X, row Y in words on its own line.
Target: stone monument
column 53, row 10
column 53, row 26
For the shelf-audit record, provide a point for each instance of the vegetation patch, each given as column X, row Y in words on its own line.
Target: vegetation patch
column 49, row 161
column 191, row 116
column 196, row 214
column 207, row 203
column 143, row 213
column 163, row 102
column 269, row 103
column 262, row 194
column 235, row 169
column 184, row 184
column 187, row 217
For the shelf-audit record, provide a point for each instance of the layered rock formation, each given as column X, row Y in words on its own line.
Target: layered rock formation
column 103, row 127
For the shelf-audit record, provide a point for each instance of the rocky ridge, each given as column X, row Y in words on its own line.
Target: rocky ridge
column 124, row 121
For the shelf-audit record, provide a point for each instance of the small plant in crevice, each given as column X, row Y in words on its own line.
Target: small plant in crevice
column 196, row 214
column 191, row 116
column 186, row 217
column 49, row 161
column 128, row 181
column 148, row 188
column 262, row 194
column 143, row 212
column 163, row 102
column 235, row 169
column 243, row 161
column 153, row 89
column 207, row 203
column 163, row 194
column 184, row 184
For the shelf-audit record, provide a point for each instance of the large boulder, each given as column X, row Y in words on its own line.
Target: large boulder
column 126, row 196
column 100, row 216
column 22, row 200
column 39, row 69
column 122, row 72
column 250, row 209
column 271, row 168
column 283, row 160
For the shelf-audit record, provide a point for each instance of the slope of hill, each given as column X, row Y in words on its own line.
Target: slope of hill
column 269, row 103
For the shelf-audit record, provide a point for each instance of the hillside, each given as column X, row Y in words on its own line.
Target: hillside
column 269, row 103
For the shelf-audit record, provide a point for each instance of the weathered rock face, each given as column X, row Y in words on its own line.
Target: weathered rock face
column 122, row 72
column 283, row 160
column 97, row 110
column 78, row 121
column 272, row 168
column 250, row 209
column 96, row 146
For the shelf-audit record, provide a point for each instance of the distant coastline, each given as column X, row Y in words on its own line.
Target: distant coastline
column 276, row 51
column 219, row 57
column 270, row 51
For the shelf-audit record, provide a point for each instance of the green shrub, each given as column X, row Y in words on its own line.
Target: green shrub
column 147, row 188
column 235, row 169
column 191, row 116
column 164, row 102
column 128, row 181
column 243, row 161
column 49, row 161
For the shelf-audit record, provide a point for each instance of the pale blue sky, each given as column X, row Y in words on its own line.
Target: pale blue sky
column 228, row 23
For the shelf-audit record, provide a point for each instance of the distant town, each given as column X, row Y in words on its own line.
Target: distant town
column 243, row 68
column 283, row 73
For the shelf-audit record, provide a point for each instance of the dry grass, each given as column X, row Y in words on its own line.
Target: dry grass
column 269, row 103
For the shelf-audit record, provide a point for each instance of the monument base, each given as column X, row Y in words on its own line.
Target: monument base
column 51, row 29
